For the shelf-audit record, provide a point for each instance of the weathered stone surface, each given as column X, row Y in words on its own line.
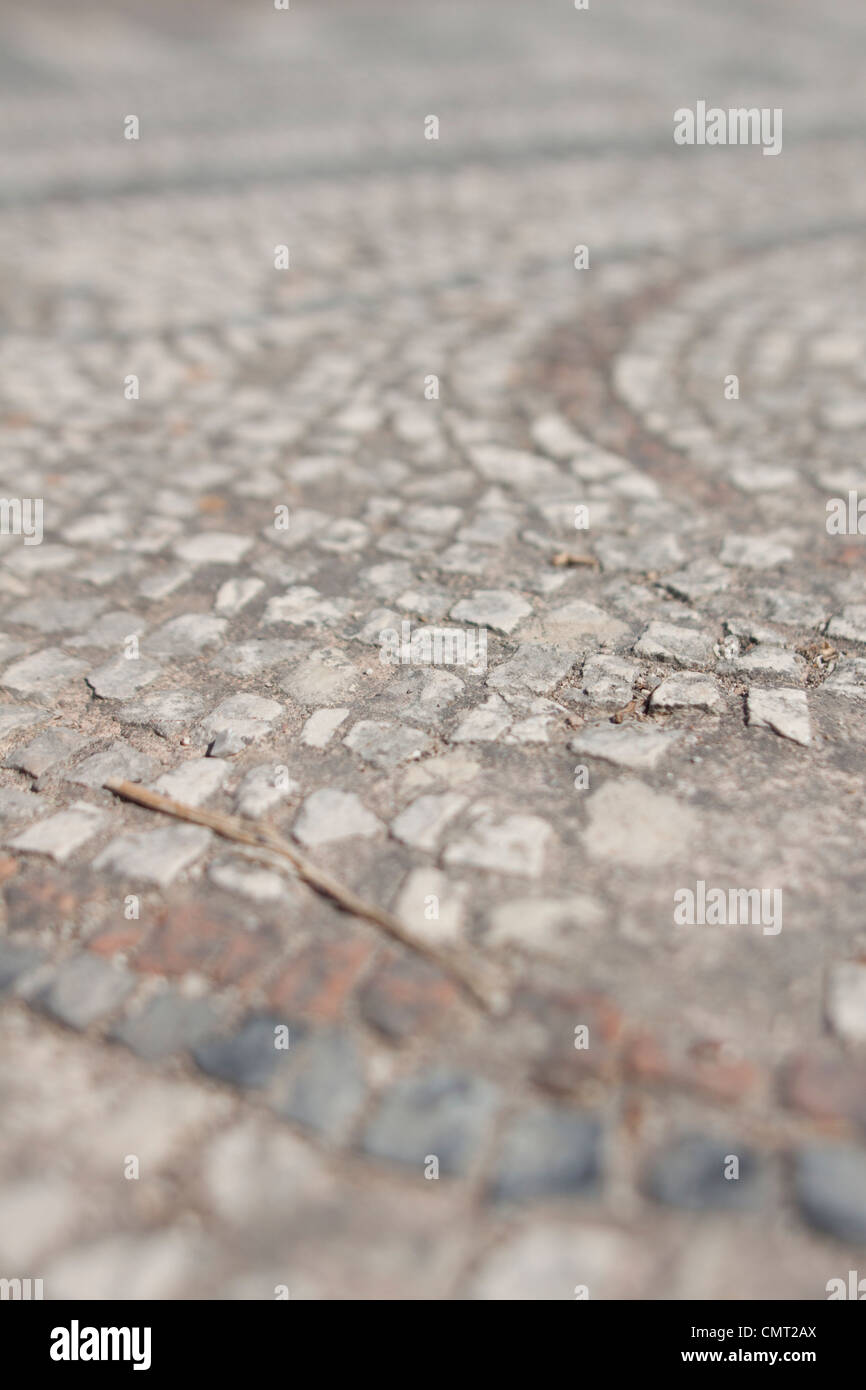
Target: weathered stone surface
column 84, row 989
column 44, row 674
column 764, row 660
column 406, row 998
column 207, row 936
column 691, row 1173
column 317, row 983
column 576, row 624
column 698, row 580
column 186, row 634
column 168, row 713
column 118, row 760
column 640, row 747
column 687, row 690
column 326, row 1086
column 120, row 678
column 48, row 750
column 56, row 615
column 830, row 1187
column 628, row 822
column 265, row 788
column 260, row 654
column 321, row 727
column 848, row 680
column 253, row 1055
column 155, row 856
column 44, row 902
column 304, row 606
column 501, row 610
column 431, row 907
column 385, row 745
column 580, row 1037
column 846, row 999
column 328, row 815
column 543, row 924
column 112, row 629
column 485, row 723
column 578, row 471
column 830, row 1090
column 235, row 594
column 259, row 885
column 786, row 712
column 510, row 844
column 194, row 781
column 422, row 823
column 212, row 548
column 755, row 552
column 14, row 717
column 608, row 681
column 17, row 806
column 850, row 625
column 547, row 1153
column 168, row 1024
column 240, row 721
column 533, row 667
column 441, row 1114
column 60, row 836
column 681, row 645
column 15, row 963
column 558, row 1263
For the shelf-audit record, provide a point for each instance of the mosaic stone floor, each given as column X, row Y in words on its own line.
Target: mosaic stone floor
column 672, row 695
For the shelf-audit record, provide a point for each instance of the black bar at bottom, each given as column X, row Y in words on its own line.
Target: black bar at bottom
column 156, row 1339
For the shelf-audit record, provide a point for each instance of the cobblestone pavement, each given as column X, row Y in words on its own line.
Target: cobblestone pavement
column 686, row 707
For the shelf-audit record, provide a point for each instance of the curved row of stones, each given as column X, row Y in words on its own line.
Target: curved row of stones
column 399, row 509
column 531, row 695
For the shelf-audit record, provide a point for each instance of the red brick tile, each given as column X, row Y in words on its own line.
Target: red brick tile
column 124, row 937
column 317, row 982
column 830, row 1090
column 406, row 996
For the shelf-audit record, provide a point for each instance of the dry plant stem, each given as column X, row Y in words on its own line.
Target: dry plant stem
column 263, row 837
column 565, row 557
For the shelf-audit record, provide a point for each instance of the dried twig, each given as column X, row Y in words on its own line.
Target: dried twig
column 819, row 653
column 623, row 713
column 567, row 557
column 487, row 992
